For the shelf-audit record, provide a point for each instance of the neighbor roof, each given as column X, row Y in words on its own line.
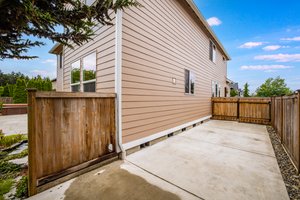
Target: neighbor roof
column 208, row 28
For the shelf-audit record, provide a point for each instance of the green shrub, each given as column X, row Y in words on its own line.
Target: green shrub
column 5, row 91
column 9, row 170
column 1, row 91
column 8, row 140
column 5, row 186
column 22, row 188
column 233, row 93
column 1, row 106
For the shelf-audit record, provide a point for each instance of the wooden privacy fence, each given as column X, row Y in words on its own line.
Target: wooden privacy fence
column 68, row 132
column 286, row 122
column 250, row 110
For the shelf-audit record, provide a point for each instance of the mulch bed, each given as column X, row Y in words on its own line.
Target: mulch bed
column 289, row 173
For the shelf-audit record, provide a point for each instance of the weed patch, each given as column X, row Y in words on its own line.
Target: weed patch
column 5, row 186
column 22, row 188
column 8, row 140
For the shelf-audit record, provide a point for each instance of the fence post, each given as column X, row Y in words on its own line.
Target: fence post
column 32, row 177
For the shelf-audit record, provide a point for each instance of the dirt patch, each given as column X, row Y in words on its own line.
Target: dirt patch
column 289, row 173
column 111, row 182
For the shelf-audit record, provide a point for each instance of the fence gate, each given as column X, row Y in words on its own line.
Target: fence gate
column 68, row 132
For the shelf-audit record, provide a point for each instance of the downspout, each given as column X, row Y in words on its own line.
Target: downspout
column 118, row 81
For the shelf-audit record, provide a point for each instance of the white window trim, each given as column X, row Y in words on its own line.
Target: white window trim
column 81, row 82
column 214, row 52
column 190, row 72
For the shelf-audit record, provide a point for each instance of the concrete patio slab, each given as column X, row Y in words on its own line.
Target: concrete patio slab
column 13, row 124
column 217, row 160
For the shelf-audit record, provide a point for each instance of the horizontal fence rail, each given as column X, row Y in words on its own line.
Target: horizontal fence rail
column 249, row 110
column 286, row 122
column 68, row 132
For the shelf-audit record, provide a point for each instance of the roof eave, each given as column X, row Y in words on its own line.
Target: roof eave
column 56, row 49
column 204, row 22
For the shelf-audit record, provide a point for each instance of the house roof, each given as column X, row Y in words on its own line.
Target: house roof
column 208, row 28
column 56, row 49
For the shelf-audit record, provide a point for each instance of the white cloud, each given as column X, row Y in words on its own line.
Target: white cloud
column 280, row 57
column 214, row 21
column 272, row 47
column 266, row 68
column 250, row 45
column 43, row 73
column 291, row 39
column 49, row 61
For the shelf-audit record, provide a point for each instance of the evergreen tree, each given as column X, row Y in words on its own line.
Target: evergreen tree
column 20, row 93
column 31, row 83
column 246, row 90
column 1, row 91
column 41, row 19
column 11, row 90
column 6, row 92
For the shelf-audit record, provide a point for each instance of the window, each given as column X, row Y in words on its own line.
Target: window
column 212, row 51
column 216, row 89
column 75, row 76
column 89, row 73
column 83, row 74
column 189, row 87
column 60, row 60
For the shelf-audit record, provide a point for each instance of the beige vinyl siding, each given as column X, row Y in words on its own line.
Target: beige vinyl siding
column 160, row 41
column 104, row 44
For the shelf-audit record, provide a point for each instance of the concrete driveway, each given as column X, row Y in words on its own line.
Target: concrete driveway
column 13, row 124
column 216, row 160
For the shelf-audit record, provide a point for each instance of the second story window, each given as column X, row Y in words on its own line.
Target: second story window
column 189, row 87
column 83, row 74
column 212, row 51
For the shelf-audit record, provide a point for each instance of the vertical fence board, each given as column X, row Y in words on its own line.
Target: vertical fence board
column 67, row 132
column 250, row 110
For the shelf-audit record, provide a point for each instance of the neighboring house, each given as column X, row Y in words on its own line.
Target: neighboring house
column 233, row 86
column 162, row 60
column 53, row 81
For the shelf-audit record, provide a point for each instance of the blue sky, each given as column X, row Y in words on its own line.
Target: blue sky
column 262, row 38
